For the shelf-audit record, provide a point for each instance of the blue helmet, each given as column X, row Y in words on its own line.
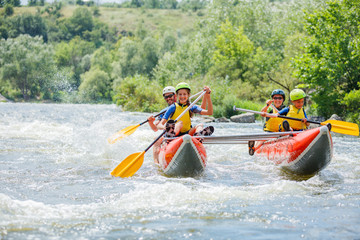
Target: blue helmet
column 278, row 92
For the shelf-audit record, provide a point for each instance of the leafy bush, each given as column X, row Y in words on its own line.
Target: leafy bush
column 226, row 108
column 330, row 64
column 352, row 102
column 27, row 64
column 95, row 85
column 138, row 93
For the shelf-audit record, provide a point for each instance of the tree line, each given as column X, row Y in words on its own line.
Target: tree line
column 242, row 49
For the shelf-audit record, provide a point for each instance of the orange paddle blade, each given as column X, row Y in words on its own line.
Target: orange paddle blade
column 129, row 165
column 343, row 127
column 123, row 133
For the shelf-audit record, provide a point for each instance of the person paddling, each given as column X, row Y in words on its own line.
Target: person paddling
column 277, row 101
column 296, row 110
column 170, row 97
column 183, row 126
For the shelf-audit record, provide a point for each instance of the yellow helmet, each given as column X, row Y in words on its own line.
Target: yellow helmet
column 182, row 85
column 297, row 94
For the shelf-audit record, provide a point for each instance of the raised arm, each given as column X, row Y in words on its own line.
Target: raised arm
column 207, row 100
column 264, row 109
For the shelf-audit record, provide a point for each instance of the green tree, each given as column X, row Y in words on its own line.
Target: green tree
column 352, row 103
column 95, row 85
column 151, row 3
column 15, row 3
column 71, row 54
column 136, row 57
column 191, row 59
column 169, row 4
column 138, row 93
column 8, row 10
column 137, row 3
column 193, row 5
column 33, row 25
column 27, row 64
column 80, row 22
column 150, row 54
column 330, row 64
column 129, row 60
column 102, row 60
column 283, row 77
column 233, row 50
column 168, row 43
column 3, row 32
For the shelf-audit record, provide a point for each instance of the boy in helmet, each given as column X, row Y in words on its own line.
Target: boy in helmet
column 170, row 97
column 183, row 126
column 296, row 110
column 274, row 105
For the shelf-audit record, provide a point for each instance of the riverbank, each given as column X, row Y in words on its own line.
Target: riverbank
column 3, row 99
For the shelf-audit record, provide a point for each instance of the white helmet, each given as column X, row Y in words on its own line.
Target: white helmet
column 168, row 89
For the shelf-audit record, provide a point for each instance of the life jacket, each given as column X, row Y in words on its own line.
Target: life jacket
column 272, row 124
column 296, row 113
column 185, row 118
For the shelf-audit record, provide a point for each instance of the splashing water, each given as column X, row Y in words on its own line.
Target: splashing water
column 55, row 179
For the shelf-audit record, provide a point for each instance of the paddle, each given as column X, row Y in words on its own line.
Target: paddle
column 131, row 129
column 133, row 162
column 336, row 125
column 241, row 139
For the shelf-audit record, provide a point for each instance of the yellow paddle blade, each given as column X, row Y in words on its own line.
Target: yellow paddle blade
column 343, row 127
column 129, row 165
column 123, row 133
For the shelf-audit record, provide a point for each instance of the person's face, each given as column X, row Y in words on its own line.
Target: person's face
column 170, row 98
column 183, row 95
column 278, row 100
column 298, row 103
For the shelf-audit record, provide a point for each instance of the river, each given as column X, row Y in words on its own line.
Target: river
column 55, row 165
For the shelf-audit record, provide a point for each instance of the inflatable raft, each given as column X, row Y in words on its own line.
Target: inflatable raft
column 184, row 156
column 302, row 153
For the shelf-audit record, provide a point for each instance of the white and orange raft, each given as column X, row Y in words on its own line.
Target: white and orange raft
column 301, row 153
column 184, row 156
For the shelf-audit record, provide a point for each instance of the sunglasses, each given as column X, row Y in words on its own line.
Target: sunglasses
column 277, row 98
column 169, row 96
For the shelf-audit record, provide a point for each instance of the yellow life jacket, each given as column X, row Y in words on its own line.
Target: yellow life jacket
column 296, row 113
column 185, row 119
column 272, row 124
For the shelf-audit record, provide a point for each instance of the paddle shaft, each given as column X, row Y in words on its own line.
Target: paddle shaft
column 163, row 111
column 182, row 114
column 275, row 108
column 274, row 115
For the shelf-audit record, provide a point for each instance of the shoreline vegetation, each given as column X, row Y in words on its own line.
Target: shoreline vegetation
column 3, row 99
column 80, row 52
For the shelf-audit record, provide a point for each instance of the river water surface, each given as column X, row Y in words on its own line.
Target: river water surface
column 55, row 165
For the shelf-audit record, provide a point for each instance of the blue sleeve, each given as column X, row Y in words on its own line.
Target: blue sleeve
column 196, row 109
column 161, row 115
column 169, row 112
column 284, row 111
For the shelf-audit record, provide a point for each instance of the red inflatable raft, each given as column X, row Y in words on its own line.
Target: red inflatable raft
column 302, row 153
column 184, row 156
